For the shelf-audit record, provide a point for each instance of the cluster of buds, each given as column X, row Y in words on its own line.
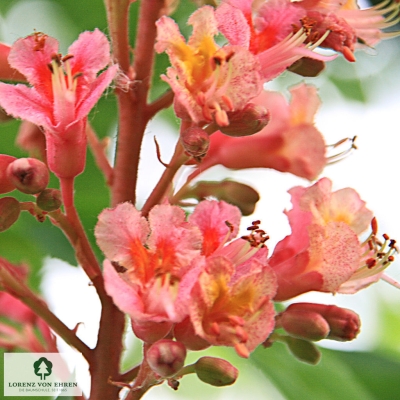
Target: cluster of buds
column 29, row 176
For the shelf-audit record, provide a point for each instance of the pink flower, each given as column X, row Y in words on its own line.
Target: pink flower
column 20, row 326
column 350, row 28
column 268, row 34
column 64, row 90
column 232, row 298
column 168, row 271
column 324, row 252
column 208, row 81
column 149, row 268
column 289, row 143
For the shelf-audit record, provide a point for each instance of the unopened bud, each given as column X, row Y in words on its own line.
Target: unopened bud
column 248, row 121
column 29, row 175
column 304, row 324
column 49, row 200
column 166, row 357
column 216, row 371
column 5, row 184
column 9, row 212
column 303, row 350
column 344, row 324
column 239, row 194
column 195, row 141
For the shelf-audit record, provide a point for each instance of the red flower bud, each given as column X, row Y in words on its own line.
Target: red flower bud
column 166, row 357
column 29, row 175
column 49, row 200
column 195, row 141
column 344, row 324
column 216, row 371
column 304, row 324
column 5, row 184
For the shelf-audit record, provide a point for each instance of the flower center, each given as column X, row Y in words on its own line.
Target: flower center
column 64, row 86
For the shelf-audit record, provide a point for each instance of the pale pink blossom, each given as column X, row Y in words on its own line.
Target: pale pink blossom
column 208, row 81
column 324, row 251
column 149, row 268
column 168, row 271
column 232, row 299
column 289, row 143
column 63, row 91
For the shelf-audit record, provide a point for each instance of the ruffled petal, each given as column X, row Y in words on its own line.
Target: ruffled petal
column 26, row 103
column 120, row 232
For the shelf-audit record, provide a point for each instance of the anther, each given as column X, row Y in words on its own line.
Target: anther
column 118, row 267
column 385, row 236
column 374, row 225
column 67, row 57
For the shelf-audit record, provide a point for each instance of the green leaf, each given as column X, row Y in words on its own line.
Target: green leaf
column 339, row 375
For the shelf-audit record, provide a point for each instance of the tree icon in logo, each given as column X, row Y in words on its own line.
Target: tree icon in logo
column 42, row 367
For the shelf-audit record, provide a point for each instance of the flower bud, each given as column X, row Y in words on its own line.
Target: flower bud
column 344, row 324
column 9, row 212
column 303, row 350
column 248, row 121
column 29, row 175
column 5, row 184
column 216, row 371
column 166, row 357
column 49, row 200
column 304, row 324
column 195, row 141
column 239, row 194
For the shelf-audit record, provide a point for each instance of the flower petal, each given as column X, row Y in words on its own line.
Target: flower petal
column 91, row 53
column 96, row 90
column 26, row 103
column 119, row 231
column 218, row 221
column 31, row 56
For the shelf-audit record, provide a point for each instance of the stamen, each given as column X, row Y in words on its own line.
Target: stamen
column 257, row 237
column 350, row 147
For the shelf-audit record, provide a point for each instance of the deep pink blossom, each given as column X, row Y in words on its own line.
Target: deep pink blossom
column 267, row 32
column 289, row 143
column 324, row 251
column 63, row 91
column 208, row 81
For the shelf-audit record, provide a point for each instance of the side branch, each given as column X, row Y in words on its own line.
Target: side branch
column 38, row 306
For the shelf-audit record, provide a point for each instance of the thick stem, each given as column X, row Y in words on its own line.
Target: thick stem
column 132, row 106
column 107, row 354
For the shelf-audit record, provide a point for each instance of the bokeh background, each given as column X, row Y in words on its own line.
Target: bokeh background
column 357, row 99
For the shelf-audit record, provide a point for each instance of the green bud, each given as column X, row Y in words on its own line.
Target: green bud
column 9, row 212
column 303, row 350
column 49, row 200
column 216, row 371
